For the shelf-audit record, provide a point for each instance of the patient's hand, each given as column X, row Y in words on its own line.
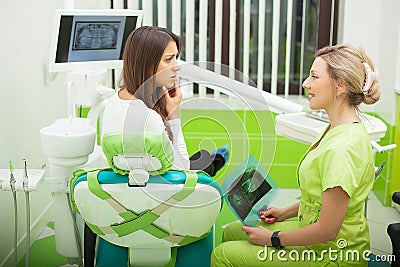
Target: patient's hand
column 172, row 101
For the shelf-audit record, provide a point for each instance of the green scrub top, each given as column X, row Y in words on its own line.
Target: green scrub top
column 340, row 157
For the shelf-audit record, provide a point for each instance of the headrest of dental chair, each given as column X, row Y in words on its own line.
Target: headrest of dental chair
column 123, row 150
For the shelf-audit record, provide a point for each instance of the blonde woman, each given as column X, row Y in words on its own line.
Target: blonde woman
column 335, row 177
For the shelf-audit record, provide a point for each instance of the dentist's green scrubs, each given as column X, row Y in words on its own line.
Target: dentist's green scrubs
column 341, row 157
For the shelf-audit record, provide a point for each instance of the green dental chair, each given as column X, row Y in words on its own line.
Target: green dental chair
column 144, row 213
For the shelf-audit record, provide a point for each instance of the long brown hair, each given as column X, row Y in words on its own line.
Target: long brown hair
column 142, row 53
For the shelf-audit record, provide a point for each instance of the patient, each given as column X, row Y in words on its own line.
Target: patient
column 143, row 103
column 149, row 97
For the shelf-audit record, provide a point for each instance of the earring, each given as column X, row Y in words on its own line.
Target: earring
column 337, row 96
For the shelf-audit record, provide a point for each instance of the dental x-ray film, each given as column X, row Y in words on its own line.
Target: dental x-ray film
column 247, row 189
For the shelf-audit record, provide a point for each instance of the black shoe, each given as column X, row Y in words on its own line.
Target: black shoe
column 212, row 162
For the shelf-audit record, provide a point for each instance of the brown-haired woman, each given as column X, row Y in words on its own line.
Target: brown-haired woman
column 149, row 98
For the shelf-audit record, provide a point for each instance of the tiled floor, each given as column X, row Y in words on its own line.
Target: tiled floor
column 43, row 252
column 379, row 217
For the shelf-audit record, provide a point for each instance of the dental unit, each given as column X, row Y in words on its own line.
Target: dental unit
column 70, row 144
column 25, row 180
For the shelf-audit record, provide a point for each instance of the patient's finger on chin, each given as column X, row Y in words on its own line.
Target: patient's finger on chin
column 177, row 89
column 165, row 92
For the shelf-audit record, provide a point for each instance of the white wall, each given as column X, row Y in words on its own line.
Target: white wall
column 374, row 25
column 29, row 101
column 26, row 105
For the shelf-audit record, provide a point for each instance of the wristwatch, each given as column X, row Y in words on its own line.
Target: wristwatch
column 276, row 242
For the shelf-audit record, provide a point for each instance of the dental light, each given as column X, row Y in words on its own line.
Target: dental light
column 255, row 98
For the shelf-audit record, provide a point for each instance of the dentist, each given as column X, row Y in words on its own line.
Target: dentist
column 335, row 177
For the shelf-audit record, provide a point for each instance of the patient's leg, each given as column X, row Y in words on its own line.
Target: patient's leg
column 89, row 247
column 202, row 161
column 209, row 163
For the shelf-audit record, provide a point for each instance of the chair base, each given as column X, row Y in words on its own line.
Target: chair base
column 196, row 254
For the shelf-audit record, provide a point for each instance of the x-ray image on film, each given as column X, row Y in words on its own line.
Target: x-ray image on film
column 96, row 35
column 247, row 189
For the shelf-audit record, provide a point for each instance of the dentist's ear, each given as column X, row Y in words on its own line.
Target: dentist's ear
column 340, row 88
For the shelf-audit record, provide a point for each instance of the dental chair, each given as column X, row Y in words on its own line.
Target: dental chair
column 143, row 212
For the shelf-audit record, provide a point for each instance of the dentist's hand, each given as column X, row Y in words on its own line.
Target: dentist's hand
column 259, row 236
column 173, row 99
column 273, row 215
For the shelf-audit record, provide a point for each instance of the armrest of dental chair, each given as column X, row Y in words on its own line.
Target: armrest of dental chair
column 393, row 231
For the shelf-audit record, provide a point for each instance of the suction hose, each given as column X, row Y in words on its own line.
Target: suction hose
column 28, row 228
column 15, row 226
column 76, row 231
column 14, row 192
column 28, row 213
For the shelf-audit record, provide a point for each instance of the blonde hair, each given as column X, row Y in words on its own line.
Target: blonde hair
column 345, row 65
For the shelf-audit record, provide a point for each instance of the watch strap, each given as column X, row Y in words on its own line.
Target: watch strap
column 275, row 241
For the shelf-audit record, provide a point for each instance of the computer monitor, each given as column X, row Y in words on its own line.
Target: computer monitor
column 91, row 39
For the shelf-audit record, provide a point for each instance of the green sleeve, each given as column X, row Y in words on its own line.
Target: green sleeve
column 344, row 167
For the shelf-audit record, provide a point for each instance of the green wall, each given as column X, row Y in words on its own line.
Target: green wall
column 389, row 179
column 247, row 132
column 395, row 168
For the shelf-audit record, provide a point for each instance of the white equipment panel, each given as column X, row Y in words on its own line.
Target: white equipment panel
column 35, row 178
column 305, row 129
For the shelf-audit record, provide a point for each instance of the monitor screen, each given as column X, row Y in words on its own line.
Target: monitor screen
column 91, row 39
